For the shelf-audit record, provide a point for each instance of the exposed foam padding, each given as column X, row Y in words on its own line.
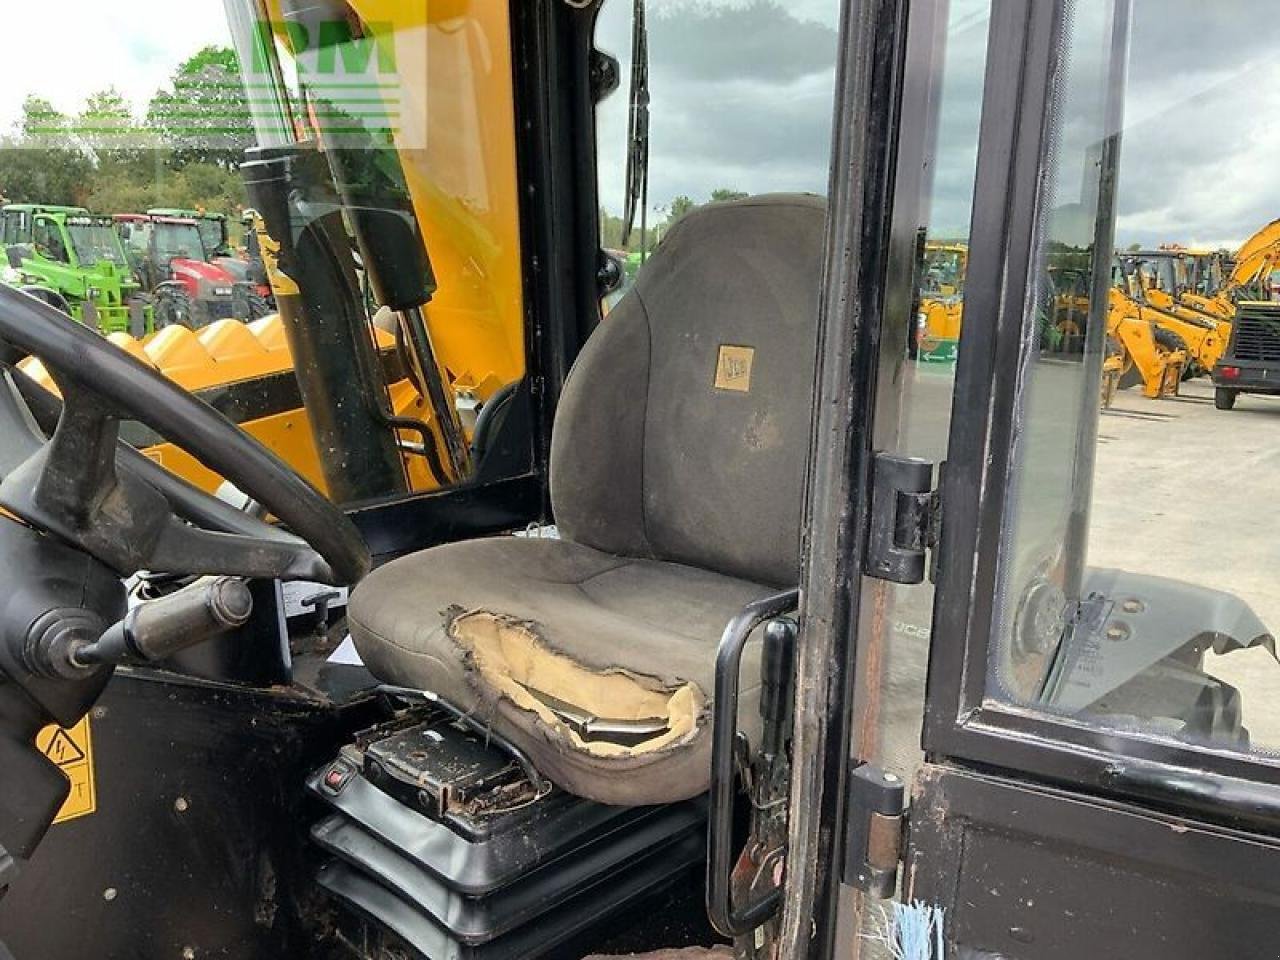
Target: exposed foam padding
column 513, row 660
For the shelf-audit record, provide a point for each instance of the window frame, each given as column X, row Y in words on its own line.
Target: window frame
column 48, row 223
column 961, row 722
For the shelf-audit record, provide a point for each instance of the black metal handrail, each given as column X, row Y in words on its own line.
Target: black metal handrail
column 728, row 919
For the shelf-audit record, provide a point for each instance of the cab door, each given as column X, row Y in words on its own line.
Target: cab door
column 1064, row 631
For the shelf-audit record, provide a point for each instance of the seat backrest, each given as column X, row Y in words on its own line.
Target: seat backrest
column 683, row 430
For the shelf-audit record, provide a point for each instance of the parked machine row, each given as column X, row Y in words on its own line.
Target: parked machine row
column 134, row 273
column 1174, row 313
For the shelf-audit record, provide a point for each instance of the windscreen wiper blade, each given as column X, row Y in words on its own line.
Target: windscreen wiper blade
column 637, row 199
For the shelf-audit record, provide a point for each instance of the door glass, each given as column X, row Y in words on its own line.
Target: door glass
column 895, row 629
column 48, row 241
column 1135, row 588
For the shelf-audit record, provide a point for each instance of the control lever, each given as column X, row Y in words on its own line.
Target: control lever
column 158, row 629
column 777, row 675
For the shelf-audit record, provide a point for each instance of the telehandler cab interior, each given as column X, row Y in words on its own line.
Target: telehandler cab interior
column 647, row 671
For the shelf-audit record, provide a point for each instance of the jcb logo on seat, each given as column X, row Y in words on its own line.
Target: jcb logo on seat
column 733, row 369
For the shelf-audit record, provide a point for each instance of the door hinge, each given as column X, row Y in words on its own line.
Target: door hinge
column 906, row 518
column 874, row 840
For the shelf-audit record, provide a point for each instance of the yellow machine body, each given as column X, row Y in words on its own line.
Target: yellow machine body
column 1205, row 335
column 1140, row 356
column 941, row 300
column 246, row 372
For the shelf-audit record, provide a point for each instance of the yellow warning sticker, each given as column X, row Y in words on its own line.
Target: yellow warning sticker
column 72, row 751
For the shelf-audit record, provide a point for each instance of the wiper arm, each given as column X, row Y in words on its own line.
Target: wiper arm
column 637, row 199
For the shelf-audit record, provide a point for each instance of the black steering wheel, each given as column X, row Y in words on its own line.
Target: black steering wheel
column 84, row 486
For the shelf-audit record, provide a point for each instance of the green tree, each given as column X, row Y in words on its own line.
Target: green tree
column 41, row 162
column 106, row 126
column 724, row 193
column 42, row 123
column 205, row 117
column 30, row 174
column 611, row 231
column 678, row 209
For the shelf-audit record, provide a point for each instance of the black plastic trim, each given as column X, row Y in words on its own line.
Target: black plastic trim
column 476, row 920
column 551, row 930
column 480, row 867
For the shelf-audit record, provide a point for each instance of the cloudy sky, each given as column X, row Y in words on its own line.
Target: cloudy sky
column 742, row 98
column 72, row 48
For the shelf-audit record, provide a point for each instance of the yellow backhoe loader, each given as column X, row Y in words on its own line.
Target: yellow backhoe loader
column 1186, row 294
column 1140, row 351
column 1159, row 281
column 941, row 301
column 1212, row 284
column 1252, row 266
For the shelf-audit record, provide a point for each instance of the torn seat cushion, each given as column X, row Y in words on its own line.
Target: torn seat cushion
column 508, row 627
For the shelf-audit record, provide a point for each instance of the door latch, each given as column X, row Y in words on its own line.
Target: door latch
column 906, row 517
column 874, row 826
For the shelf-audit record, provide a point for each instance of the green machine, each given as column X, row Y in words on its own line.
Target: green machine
column 75, row 261
column 16, row 219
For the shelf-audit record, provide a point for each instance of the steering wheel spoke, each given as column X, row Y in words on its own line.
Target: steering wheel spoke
column 184, row 549
column 84, row 501
column 96, row 493
column 79, row 465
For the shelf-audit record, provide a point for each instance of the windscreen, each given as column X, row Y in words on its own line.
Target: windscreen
column 290, row 332
column 718, row 101
column 95, row 243
column 179, row 241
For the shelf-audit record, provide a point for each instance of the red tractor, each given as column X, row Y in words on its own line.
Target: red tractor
column 253, row 292
column 169, row 257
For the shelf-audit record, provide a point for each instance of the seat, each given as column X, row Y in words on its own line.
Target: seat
column 677, row 477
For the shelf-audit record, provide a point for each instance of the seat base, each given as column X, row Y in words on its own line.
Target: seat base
column 435, row 839
column 555, row 645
